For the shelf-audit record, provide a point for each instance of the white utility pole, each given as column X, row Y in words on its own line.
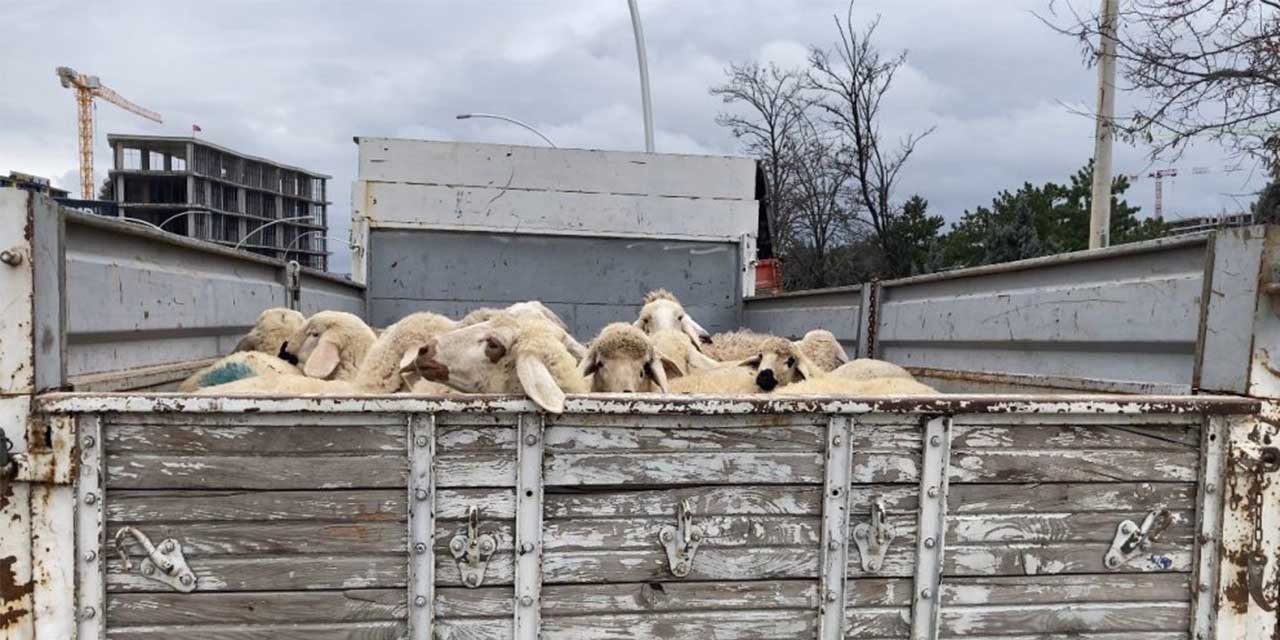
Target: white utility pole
column 1100, row 212
column 644, row 76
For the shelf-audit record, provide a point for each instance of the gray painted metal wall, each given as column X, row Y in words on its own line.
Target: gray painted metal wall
column 837, row 310
column 590, row 282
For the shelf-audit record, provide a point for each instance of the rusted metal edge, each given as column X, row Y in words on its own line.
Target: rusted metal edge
column 1065, row 383
column 651, row 404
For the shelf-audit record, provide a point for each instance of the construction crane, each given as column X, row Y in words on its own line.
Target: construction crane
column 87, row 88
column 1172, row 172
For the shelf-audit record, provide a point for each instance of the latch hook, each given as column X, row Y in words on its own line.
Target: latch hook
column 681, row 541
column 873, row 538
column 1258, row 587
column 163, row 564
column 472, row 550
column 1132, row 539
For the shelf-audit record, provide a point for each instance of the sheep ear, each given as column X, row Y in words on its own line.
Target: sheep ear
column 323, row 360
column 807, row 369
column 409, row 367
column 841, row 356
column 656, row 370
column 700, row 360
column 588, row 365
column 695, row 331
column 246, row 344
column 539, row 384
column 753, row 361
column 579, row 352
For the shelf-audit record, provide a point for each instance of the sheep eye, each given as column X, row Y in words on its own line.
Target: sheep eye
column 648, row 370
column 791, row 362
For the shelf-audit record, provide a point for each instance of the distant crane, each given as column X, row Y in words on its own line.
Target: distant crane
column 1172, row 172
column 87, row 88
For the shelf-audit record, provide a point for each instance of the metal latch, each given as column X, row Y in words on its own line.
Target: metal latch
column 472, row 550
column 1131, row 539
column 873, row 538
column 163, row 564
column 1257, row 576
column 681, row 541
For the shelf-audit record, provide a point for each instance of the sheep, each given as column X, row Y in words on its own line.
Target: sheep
column 834, row 385
column 238, row 366
column 868, row 369
column 505, row 354
column 823, row 349
column 529, row 309
column 272, row 328
column 820, row 345
column 379, row 371
column 663, row 312
column 677, row 347
column 777, row 363
column 283, row 385
column 622, row 359
column 330, row 345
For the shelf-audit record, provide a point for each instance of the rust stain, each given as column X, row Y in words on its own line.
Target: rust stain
column 11, row 591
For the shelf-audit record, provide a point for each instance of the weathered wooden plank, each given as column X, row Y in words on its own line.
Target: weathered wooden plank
column 277, row 607
column 1016, row 559
column 642, row 597
column 1057, row 589
column 711, row 625
column 494, row 503
column 205, row 539
column 294, row 440
column 873, row 593
column 1057, row 527
column 879, row 623
column 476, row 628
column 148, row 471
column 718, row 531
column 475, row 469
column 798, row 500
column 1123, row 635
column 275, row 573
column 1154, row 419
column 685, row 421
column 885, row 466
column 1074, row 497
column 880, row 436
column 366, row 505
column 1065, row 618
column 736, row 563
column 1072, row 465
column 685, row 439
column 260, row 419
column 455, row 438
column 898, row 499
column 1076, row 437
column 899, row 560
column 384, row 630
column 500, row 572
column 683, row 468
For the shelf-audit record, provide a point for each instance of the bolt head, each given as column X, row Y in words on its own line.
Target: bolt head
column 486, row 546
column 473, row 579
column 1210, row 488
column 1126, row 527
column 833, row 545
column 11, row 258
column 526, row 601
column 531, row 439
column 148, row 569
column 1204, row 587
column 930, row 543
column 682, row 569
column 926, row 593
column 420, row 601
column 665, row 536
column 167, row 547
column 89, row 441
column 526, row 547
column 187, row 579
column 696, row 534
column 90, row 556
column 835, row 442
column 421, row 441
column 420, row 548
column 90, row 498
column 456, row 545
column 873, row 565
column 933, row 492
column 935, row 441
column 420, row 494
column 831, row 596
column 89, row 613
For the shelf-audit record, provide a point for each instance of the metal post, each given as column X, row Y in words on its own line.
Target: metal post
column 835, row 529
column 931, row 536
column 1213, row 446
column 91, row 595
column 519, row 123
column 1247, row 589
column 643, row 60
column 422, row 525
column 1100, row 213
column 528, row 550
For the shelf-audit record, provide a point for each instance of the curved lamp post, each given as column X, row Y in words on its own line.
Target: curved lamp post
column 643, row 59
column 519, row 123
column 269, row 224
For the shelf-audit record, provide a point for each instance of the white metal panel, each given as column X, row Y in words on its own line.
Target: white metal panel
column 1232, row 285
column 422, row 524
column 17, row 602
column 835, row 529
column 543, row 168
column 528, row 539
column 90, row 532
column 1213, row 445
column 404, row 205
column 932, row 529
column 17, row 374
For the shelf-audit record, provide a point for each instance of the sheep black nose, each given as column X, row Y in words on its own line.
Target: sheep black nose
column 765, row 380
column 286, row 356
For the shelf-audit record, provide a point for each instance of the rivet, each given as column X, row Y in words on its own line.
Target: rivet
column 456, row 545
column 833, row 545
column 831, row 596
column 420, row 494
column 1204, row 587
column 420, row 601
column 486, row 546
column 696, row 535
column 935, row 441
column 89, row 613
column 473, row 579
column 929, row 543
column 526, row 547
column 531, row 439
column 11, row 258
column 420, row 548
column 682, row 569
column 148, row 569
column 90, row 498
column 167, row 547
column 526, row 600
column 421, row 441
column 1126, row 527
column 90, row 556
column 926, row 594
column 835, row 442
column 933, row 492
column 665, row 536
column 187, row 579
column 89, row 441
column 1210, row 488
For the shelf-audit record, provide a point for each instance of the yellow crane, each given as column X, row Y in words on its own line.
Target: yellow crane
column 87, row 88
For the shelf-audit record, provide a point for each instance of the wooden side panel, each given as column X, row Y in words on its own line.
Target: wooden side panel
column 1033, row 508
column 295, row 525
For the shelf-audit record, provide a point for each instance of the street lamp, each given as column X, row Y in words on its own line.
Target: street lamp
column 520, row 123
column 643, row 59
column 258, row 228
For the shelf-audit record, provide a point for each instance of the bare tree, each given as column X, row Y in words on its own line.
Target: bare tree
column 769, row 130
column 852, row 82
column 1209, row 69
column 822, row 210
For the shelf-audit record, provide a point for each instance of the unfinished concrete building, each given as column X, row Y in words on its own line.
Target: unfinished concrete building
column 202, row 190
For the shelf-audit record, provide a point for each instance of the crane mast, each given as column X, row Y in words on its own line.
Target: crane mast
column 87, row 88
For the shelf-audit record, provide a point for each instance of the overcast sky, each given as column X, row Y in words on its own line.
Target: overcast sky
column 295, row 81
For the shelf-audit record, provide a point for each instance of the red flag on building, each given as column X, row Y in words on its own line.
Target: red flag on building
column 195, row 128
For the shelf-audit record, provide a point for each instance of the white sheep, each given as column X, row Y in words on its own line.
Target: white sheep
column 823, row 349
column 529, row 309
column 330, row 345
column 833, row 385
column 777, row 363
column 270, row 331
column 868, row 369
column 622, row 359
column 663, row 312
column 283, row 385
column 505, row 354
column 238, row 366
column 379, row 371
column 677, row 347
column 820, row 345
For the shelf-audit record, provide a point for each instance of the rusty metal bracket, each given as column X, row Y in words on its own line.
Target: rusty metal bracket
column 472, row 550
column 681, row 541
column 1258, row 587
column 164, row 563
column 873, row 538
column 1132, row 539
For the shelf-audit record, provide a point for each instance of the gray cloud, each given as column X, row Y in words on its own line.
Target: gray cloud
column 295, row 81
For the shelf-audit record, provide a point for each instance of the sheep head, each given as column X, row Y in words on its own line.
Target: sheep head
column 505, row 354
column 622, row 359
column 779, row 363
column 662, row 312
column 330, row 345
column 270, row 331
